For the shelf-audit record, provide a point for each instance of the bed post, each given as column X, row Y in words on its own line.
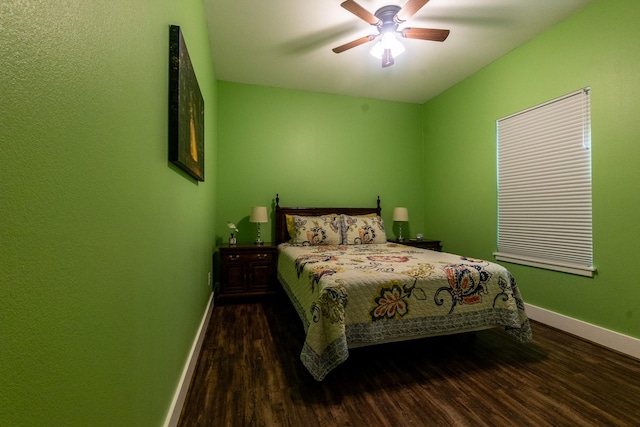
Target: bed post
column 277, row 223
column 379, row 208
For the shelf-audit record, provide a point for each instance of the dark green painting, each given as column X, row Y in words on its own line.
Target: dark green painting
column 186, row 109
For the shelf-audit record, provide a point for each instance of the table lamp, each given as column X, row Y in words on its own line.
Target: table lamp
column 400, row 215
column 259, row 215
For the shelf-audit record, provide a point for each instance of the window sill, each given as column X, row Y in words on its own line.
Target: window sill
column 546, row 264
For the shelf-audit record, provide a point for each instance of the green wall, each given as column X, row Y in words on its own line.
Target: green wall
column 598, row 47
column 314, row 149
column 105, row 247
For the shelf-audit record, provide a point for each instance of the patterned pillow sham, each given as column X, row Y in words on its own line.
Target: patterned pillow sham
column 362, row 229
column 291, row 229
column 317, row 230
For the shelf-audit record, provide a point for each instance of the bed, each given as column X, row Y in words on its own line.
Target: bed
column 352, row 288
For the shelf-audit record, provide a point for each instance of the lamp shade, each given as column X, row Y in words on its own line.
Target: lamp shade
column 400, row 214
column 259, row 214
column 389, row 41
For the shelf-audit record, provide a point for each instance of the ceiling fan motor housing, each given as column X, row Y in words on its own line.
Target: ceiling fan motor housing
column 387, row 15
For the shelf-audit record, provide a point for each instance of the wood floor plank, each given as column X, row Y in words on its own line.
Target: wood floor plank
column 249, row 374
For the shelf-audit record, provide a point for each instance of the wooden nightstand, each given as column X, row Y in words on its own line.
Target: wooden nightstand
column 434, row 245
column 246, row 271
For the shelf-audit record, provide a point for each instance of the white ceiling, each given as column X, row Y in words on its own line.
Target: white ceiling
column 287, row 43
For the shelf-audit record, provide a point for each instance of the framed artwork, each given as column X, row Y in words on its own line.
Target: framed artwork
column 186, row 109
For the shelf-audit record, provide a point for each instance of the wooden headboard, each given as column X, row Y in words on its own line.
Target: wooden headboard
column 282, row 235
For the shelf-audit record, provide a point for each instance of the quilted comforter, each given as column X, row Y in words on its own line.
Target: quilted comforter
column 356, row 295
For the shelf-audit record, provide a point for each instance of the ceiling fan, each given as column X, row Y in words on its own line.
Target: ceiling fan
column 387, row 19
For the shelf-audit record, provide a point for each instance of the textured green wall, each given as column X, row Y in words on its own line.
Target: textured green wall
column 104, row 246
column 314, row 149
column 598, row 47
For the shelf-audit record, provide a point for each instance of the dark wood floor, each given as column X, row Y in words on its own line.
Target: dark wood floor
column 249, row 374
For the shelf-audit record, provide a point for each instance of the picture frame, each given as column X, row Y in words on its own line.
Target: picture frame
column 186, row 109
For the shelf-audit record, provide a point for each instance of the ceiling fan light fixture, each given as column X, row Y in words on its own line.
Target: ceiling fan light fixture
column 388, row 42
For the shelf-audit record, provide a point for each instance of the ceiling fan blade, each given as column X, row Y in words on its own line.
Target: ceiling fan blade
column 409, row 9
column 425, row 34
column 357, row 42
column 361, row 12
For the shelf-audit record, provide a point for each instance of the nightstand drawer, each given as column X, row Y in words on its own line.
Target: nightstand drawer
column 266, row 257
column 248, row 257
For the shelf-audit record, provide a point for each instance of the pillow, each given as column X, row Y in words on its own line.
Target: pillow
column 317, row 230
column 362, row 229
column 291, row 229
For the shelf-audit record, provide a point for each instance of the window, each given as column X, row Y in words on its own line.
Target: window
column 544, row 186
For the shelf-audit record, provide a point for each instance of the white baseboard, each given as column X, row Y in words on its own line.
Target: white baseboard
column 185, row 380
column 605, row 337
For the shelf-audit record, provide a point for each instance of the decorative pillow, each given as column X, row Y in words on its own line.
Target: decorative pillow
column 291, row 229
column 362, row 229
column 317, row 230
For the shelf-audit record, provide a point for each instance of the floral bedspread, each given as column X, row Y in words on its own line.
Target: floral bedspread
column 350, row 295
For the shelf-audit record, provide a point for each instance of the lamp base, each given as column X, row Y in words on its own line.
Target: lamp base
column 258, row 241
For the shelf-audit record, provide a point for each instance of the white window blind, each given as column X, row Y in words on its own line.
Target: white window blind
column 544, row 186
